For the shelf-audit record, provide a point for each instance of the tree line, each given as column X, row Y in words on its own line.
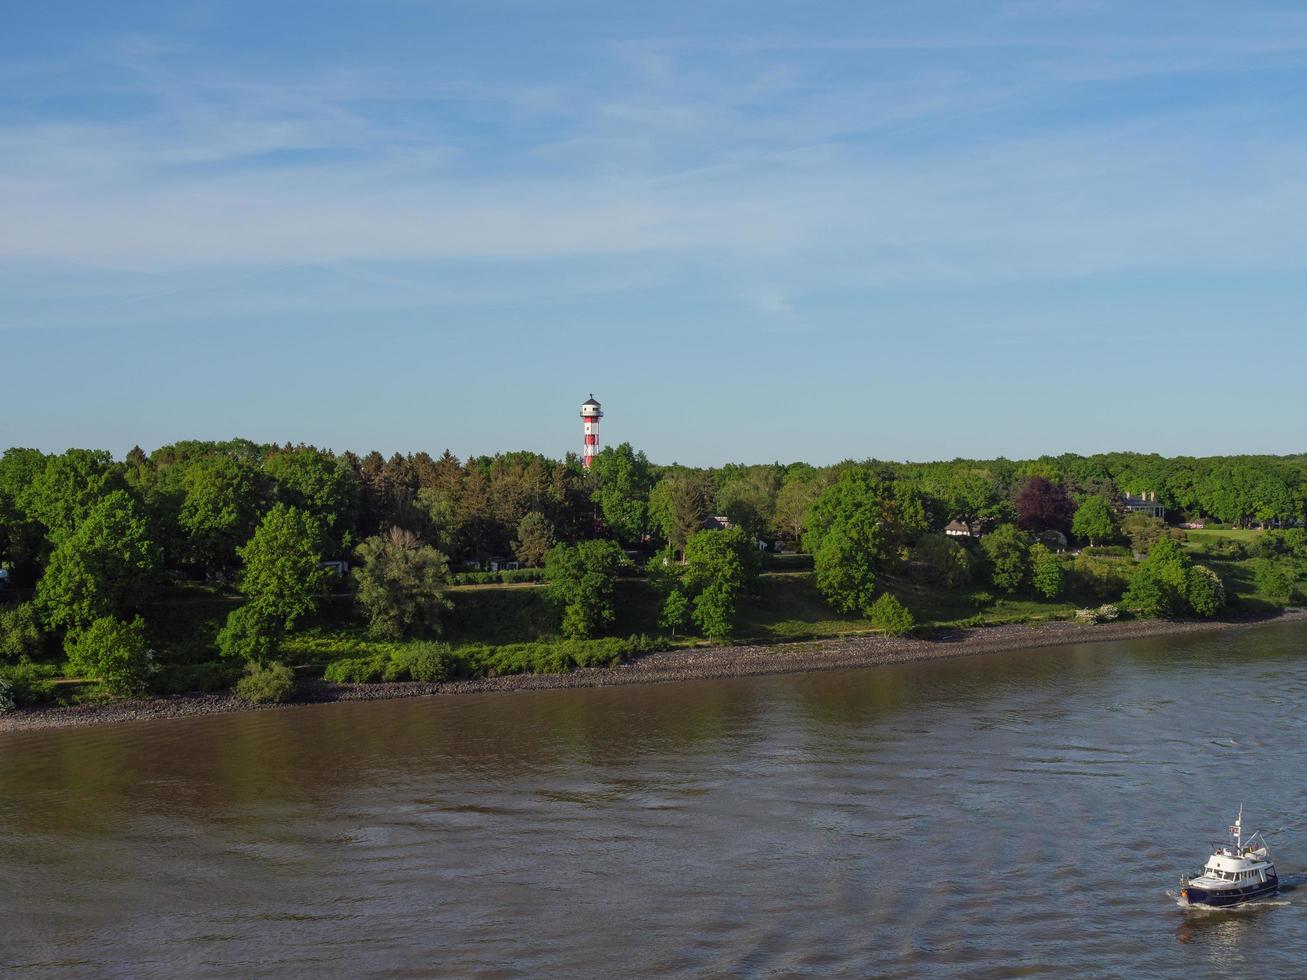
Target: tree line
column 98, row 539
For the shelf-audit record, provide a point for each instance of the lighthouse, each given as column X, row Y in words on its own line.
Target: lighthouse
column 591, row 413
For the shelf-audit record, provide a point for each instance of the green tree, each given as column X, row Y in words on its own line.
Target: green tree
column 250, row 635
column 678, row 505
column 283, row 575
column 1008, row 551
column 1094, row 521
column 915, row 510
column 319, row 484
column 622, row 479
column 942, row 560
column 113, row 652
column 1275, row 580
column 581, row 578
column 436, row 519
column 535, row 536
column 847, row 540
column 747, row 495
column 1204, row 591
column 1160, row 583
column 890, row 616
column 20, row 632
column 103, row 568
column 1144, row 531
column 719, row 566
column 219, row 509
column 1148, row 595
column 68, row 488
column 675, row 611
column 798, row 493
column 401, row 584
column 1046, row 573
column 21, row 537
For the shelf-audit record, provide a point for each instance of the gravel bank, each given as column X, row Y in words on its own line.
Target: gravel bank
column 671, row 665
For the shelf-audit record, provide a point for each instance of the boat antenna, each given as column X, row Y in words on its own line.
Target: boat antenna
column 1237, row 830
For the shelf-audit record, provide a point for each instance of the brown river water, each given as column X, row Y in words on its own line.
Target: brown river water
column 1021, row 813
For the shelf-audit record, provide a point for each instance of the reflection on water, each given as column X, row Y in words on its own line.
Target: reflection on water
column 1017, row 813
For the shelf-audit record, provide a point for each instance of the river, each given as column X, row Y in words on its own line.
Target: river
column 1022, row 813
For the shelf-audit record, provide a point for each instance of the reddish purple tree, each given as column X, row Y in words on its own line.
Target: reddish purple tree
column 1043, row 506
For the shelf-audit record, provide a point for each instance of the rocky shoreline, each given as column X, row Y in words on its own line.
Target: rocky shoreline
column 698, row 663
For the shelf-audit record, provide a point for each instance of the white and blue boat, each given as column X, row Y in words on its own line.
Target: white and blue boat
column 1238, row 871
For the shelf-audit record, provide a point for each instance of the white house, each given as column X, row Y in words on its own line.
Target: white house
column 1145, row 503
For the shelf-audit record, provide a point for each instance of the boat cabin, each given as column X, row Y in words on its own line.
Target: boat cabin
column 1230, row 865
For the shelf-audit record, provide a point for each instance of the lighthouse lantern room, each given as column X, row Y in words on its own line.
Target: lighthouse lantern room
column 591, row 413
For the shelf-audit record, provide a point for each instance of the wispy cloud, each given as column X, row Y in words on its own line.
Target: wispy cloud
column 949, row 166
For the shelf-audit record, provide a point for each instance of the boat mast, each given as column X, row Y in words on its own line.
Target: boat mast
column 1237, row 830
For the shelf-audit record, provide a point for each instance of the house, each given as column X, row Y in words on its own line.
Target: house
column 1145, row 503
column 501, row 564
column 1052, row 539
column 338, row 566
column 718, row 522
column 963, row 529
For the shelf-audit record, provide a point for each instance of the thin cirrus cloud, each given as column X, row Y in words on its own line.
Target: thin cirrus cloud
column 910, row 158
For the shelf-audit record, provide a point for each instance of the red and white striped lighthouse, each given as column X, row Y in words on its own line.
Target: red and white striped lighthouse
column 591, row 413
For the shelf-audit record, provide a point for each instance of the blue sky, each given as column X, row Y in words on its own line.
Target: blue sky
column 755, row 231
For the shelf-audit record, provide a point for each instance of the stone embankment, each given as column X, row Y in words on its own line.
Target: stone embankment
column 699, row 663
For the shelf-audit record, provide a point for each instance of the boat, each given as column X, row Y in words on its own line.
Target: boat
column 1238, row 871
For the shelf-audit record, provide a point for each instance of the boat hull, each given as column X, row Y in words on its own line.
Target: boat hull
column 1226, row 897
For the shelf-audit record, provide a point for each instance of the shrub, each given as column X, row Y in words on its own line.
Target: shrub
column 7, row 702
column 189, row 678
column 1105, row 613
column 436, row 662
column 112, row 652
column 271, row 683
column 891, row 616
column 1275, row 579
column 1107, row 551
column 1204, row 590
column 507, row 576
column 981, row 599
column 357, row 670
column 1158, row 586
column 1104, row 578
column 29, row 683
column 250, row 635
column 20, row 633
column 426, row 662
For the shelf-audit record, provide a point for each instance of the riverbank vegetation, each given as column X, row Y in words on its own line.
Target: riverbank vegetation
column 211, row 565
